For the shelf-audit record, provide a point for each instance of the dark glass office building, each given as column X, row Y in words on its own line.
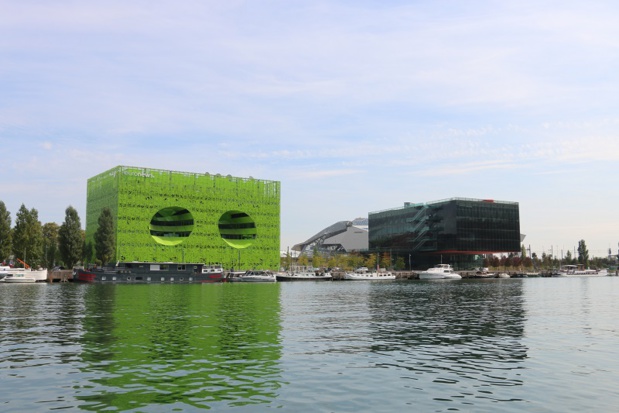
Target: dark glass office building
column 456, row 231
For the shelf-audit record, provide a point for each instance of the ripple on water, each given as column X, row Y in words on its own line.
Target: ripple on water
column 511, row 345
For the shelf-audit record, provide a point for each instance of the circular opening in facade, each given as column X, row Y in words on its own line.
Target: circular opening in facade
column 237, row 229
column 171, row 225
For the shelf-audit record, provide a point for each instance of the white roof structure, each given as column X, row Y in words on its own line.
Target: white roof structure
column 343, row 236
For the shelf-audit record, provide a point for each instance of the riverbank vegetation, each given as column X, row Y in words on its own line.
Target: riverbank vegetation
column 40, row 245
column 494, row 262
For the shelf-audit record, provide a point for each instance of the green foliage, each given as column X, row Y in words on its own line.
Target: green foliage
column 568, row 257
column 28, row 237
column 317, row 260
column 284, row 262
column 583, row 253
column 105, row 240
column 50, row 244
column 71, row 241
column 303, row 260
column 385, row 260
column 400, row 264
column 370, row 261
column 355, row 260
column 6, row 238
column 88, row 251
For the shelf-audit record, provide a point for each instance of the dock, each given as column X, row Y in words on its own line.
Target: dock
column 59, row 276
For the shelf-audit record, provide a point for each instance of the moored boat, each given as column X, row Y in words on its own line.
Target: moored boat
column 253, row 276
column 304, row 274
column 483, row 273
column 577, row 270
column 18, row 278
column 24, row 275
column 150, row 272
column 212, row 273
column 4, row 270
column 363, row 274
column 440, row 272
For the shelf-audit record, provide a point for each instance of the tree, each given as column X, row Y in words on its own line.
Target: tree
column 385, row 260
column 495, row 261
column 50, row 244
column 516, row 261
column 568, row 257
column 583, row 253
column 88, row 251
column 285, row 262
column 70, row 239
column 302, row 260
column 28, row 237
column 317, row 260
column 105, row 241
column 6, row 238
column 400, row 264
column 355, row 260
column 370, row 261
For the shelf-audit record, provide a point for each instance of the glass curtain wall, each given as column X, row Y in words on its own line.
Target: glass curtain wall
column 456, row 231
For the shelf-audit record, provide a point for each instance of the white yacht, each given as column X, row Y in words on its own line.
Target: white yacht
column 440, row 272
column 363, row 274
column 24, row 275
column 253, row 276
column 305, row 274
column 577, row 270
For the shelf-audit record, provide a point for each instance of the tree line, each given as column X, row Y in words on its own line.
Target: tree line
column 345, row 261
column 349, row 261
column 51, row 245
column 548, row 261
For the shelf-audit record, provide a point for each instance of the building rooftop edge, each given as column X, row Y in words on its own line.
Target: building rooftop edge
column 442, row 201
column 143, row 168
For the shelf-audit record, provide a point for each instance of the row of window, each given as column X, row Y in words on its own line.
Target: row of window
column 138, row 278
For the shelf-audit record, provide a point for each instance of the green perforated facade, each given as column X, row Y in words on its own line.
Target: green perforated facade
column 184, row 217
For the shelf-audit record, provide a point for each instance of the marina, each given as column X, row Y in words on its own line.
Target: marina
column 211, row 273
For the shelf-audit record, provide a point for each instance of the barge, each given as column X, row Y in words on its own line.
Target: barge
column 151, row 272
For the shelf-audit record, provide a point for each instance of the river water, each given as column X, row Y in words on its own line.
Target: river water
column 536, row 345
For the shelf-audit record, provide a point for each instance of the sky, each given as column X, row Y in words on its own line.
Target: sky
column 354, row 106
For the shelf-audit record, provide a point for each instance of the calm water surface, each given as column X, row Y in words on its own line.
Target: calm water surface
column 538, row 344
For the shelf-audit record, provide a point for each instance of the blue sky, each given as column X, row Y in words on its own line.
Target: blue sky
column 355, row 106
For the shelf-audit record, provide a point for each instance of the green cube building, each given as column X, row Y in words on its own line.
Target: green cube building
column 185, row 217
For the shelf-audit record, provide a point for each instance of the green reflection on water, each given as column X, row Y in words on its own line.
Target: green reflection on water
column 196, row 345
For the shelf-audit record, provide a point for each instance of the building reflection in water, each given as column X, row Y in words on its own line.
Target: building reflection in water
column 192, row 345
column 452, row 332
